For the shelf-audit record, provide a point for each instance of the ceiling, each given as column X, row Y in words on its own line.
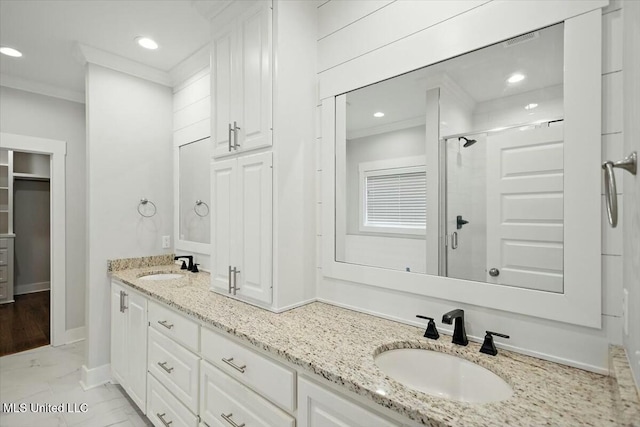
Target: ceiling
column 48, row 32
column 477, row 77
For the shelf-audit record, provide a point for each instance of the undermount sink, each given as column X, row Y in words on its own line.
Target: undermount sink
column 162, row 276
column 443, row 375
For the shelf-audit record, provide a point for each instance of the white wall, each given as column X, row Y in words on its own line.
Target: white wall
column 32, row 245
column 631, row 212
column 27, row 113
column 365, row 34
column 129, row 157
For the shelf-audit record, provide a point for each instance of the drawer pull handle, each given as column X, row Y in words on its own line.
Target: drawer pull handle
column 228, row 419
column 161, row 416
column 163, row 365
column 166, row 324
column 229, row 362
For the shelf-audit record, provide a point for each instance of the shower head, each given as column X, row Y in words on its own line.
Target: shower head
column 467, row 142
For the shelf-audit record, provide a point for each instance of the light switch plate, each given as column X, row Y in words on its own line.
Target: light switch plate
column 166, row 242
column 625, row 311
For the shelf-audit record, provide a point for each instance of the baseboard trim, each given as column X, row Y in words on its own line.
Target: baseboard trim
column 74, row 335
column 92, row 378
column 30, row 288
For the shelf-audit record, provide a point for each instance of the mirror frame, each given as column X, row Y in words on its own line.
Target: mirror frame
column 580, row 303
column 185, row 245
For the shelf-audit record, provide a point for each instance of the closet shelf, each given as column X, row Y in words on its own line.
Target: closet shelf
column 31, row 176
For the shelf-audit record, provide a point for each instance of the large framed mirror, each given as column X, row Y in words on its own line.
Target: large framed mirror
column 476, row 178
column 193, row 210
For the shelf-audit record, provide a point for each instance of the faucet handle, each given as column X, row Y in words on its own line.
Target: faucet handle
column 184, row 265
column 195, row 268
column 432, row 331
column 488, row 347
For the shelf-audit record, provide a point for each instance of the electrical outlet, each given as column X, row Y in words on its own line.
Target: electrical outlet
column 625, row 311
column 166, row 242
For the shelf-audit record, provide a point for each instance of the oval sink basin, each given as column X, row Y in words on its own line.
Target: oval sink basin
column 162, row 276
column 443, row 375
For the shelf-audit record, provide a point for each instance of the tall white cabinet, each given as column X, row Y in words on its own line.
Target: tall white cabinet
column 129, row 342
column 241, row 82
column 263, row 137
column 242, row 226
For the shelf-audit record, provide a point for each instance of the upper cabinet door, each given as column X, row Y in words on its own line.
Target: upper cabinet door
column 254, row 251
column 241, row 82
column 254, row 77
column 223, row 187
column 222, row 91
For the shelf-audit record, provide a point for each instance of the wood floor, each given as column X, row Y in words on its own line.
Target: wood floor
column 24, row 324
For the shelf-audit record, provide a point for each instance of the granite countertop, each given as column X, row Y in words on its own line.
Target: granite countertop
column 339, row 345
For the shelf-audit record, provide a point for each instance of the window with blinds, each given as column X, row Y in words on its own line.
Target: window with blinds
column 395, row 200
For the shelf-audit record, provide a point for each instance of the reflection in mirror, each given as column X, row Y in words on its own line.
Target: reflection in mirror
column 456, row 169
column 195, row 197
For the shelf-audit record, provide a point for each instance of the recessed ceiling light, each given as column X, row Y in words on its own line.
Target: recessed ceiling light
column 515, row 78
column 378, row 114
column 530, row 106
column 147, row 43
column 9, row 51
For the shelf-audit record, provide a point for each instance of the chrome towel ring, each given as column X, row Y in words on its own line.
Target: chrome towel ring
column 198, row 204
column 630, row 164
column 144, row 202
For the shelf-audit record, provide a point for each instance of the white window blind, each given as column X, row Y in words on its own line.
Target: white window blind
column 396, row 200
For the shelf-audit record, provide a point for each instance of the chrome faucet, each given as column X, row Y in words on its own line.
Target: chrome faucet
column 459, row 333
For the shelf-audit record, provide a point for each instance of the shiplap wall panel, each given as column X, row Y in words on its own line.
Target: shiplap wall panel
column 429, row 46
column 335, row 15
column 191, row 93
column 192, row 113
column 359, row 38
column 612, row 41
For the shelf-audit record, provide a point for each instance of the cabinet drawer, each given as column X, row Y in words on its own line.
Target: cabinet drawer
column 162, row 405
column 4, row 243
column 264, row 375
column 4, row 273
column 175, row 367
column 4, row 256
column 174, row 325
column 221, row 396
column 3, row 290
column 319, row 407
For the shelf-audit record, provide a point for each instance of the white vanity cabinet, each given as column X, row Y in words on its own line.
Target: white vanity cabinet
column 129, row 342
column 181, row 373
column 241, row 78
column 241, row 226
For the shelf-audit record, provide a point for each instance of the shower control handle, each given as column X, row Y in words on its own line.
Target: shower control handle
column 494, row 272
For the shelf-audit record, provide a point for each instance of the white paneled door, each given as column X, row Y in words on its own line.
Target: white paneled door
column 525, row 188
column 241, row 82
column 242, row 226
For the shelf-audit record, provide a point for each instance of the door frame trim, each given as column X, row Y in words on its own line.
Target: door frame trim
column 58, row 151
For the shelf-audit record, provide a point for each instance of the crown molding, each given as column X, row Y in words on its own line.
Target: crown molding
column 39, row 88
column 192, row 66
column 105, row 59
column 210, row 8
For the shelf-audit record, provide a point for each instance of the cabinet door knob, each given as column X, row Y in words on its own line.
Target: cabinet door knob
column 494, row 272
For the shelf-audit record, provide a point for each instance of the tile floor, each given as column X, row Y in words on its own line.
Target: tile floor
column 49, row 375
